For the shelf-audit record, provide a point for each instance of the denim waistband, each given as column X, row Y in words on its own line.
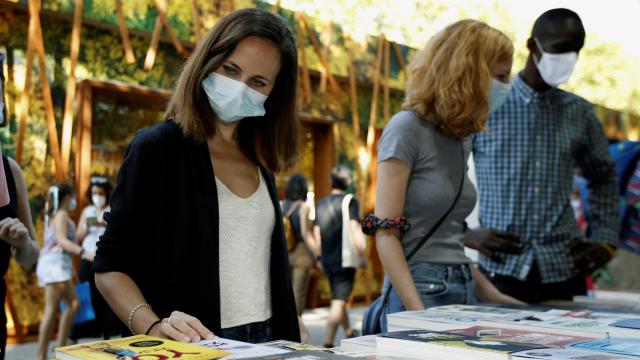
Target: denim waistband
column 451, row 273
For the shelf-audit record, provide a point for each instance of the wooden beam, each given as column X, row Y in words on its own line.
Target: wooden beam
column 67, row 119
column 276, row 7
column 161, row 8
column 196, row 21
column 34, row 6
column 316, row 47
column 304, row 69
column 23, row 115
column 129, row 57
column 353, row 92
column 373, row 114
column 150, row 59
column 399, row 57
column 386, row 69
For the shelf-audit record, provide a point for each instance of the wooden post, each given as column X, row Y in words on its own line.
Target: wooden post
column 196, row 21
column 373, row 114
column 161, row 8
column 84, row 140
column 399, row 57
column 23, row 115
column 367, row 202
column 386, row 70
column 67, row 119
column 306, row 78
column 318, row 51
column 276, row 7
column 150, row 59
column 46, row 92
column 129, row 57
column 353, row 91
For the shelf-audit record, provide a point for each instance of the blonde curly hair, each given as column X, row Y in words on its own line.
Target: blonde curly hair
column 448, row 81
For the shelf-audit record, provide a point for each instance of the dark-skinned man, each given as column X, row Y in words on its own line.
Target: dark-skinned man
column 530, row 244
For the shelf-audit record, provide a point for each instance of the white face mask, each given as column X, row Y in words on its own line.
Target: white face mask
column 73, row 204
column 99, row 200
column 232, row 100
column 555, row 69
column 498, row 94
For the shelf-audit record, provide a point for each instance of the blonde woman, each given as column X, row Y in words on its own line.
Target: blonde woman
column 453, row 84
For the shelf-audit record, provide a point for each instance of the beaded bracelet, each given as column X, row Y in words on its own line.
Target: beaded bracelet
column 133, row 311
column 610, row 249
column 371, row 223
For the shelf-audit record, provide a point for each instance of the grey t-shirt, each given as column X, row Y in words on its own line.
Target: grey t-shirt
column 436, row 167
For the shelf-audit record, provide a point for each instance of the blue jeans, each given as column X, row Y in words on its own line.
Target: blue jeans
column 252, row 333
column 437, row 285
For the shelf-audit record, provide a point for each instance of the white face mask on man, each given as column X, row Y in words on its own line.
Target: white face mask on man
column 555, row 69
column 232, row 100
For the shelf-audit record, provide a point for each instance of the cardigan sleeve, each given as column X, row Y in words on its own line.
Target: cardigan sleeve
column 123, row 241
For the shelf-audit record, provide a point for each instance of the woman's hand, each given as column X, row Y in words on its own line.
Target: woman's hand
column 182, row 327
column 14, row 233
column 88, row 255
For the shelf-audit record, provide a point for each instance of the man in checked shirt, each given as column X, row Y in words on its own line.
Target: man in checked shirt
column 530, row 244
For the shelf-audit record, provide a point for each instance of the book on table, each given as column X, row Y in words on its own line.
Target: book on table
column 435, row 345
column 304, row 355
column 629, row 347
column 626, row 329
column 137, row 347
column 548, row 339
column 239, row 349
column 563, row 322
column 365, row 343
column 568, row 354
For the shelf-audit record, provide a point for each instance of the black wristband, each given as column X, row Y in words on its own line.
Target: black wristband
column 152, row 325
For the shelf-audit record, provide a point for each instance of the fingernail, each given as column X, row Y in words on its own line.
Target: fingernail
column 196, row 339
column 210, row 336
column 185, row 339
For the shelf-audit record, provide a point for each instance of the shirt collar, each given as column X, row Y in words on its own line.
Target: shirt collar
column 528, row 94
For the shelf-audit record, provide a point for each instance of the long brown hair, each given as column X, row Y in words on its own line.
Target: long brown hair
column 448, row 80
column 272, row 140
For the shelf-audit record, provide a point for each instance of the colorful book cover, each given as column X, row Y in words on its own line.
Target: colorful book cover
column 630, row 347
column 460, row 341
column 138, row 347
column 520, row 336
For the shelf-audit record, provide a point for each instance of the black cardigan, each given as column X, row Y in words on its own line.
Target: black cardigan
column 163, row 231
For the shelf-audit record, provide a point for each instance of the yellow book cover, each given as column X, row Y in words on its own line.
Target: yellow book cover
column 139, row 347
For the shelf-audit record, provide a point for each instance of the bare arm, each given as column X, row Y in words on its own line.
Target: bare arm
column 81, row 232
column 123, row 295
column 487, row 292
column 28, row 253
column 60, row 220
column 393, row 177
column 306, row 228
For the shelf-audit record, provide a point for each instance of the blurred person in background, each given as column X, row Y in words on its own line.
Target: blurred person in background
column 305, row 249
column 90, row 227
column 341, row 238
column 55, row 270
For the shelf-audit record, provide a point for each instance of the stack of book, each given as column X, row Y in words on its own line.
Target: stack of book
column 483, row 332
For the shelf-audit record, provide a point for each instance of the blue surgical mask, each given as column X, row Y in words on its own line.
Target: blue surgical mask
column 498, row 94
column 232, row 100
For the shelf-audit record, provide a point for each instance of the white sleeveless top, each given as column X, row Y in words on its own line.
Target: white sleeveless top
column 246, row 227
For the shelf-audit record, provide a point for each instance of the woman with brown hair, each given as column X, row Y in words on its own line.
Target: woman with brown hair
column 423, row 193
column 194, row 243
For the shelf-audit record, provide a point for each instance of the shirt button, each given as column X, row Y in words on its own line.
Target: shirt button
column 538, row 163
column 537, row 190
column 535, row 217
